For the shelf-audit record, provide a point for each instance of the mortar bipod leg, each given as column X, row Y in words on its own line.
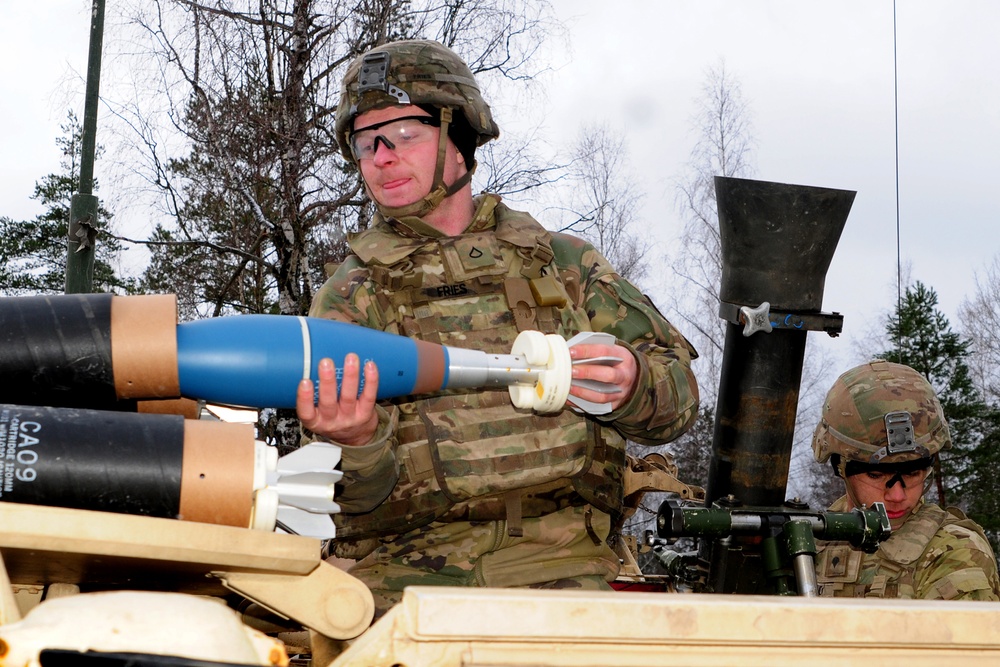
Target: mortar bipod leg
column 802, row 550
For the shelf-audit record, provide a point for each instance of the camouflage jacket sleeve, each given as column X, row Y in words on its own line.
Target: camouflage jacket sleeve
column 958, row 565
column 665, row 401
column 370, row 470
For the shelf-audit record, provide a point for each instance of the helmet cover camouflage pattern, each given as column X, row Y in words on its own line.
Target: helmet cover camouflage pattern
column 881, row 412
column 411, row 72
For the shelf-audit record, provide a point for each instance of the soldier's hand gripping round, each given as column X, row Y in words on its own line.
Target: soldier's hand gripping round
column 346, row 417
column 621, row 375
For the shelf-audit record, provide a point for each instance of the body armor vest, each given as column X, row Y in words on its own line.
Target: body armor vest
column 469, row 454
column 843, row 571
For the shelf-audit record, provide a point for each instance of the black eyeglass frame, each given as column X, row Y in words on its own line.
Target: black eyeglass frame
column 424, row 120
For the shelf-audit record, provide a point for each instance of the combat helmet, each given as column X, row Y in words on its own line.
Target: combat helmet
column 881, row 413
column 427, row 74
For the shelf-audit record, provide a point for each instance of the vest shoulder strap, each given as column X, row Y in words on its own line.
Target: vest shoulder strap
column 912, row 539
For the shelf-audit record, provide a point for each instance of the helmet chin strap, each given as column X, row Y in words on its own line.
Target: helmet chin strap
column 439, row 191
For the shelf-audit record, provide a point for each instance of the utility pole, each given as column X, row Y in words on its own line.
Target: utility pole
column 83, row 207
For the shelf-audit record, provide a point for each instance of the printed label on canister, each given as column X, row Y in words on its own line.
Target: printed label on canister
column 92, row 459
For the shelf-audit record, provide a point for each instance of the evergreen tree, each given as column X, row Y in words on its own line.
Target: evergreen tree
column 33, row 252
column 980, row 489
column 924, row 341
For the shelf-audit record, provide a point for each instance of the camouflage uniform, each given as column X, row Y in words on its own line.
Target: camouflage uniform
column 885, row 417
column 461, row 488
column 934, row 555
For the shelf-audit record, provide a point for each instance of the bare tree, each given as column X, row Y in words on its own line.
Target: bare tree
column 813, row 484
column 235, row 130
column 980, row 317
column 515, row 169
column 723, row 147
column 604, row 202
column 233, row 125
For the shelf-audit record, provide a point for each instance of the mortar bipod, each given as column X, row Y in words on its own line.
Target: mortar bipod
column 781, row 539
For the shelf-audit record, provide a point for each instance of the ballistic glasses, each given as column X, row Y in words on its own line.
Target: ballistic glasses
column 398, row 134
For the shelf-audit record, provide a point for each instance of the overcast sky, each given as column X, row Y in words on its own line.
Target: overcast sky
column 43, row 58
column 818, row 77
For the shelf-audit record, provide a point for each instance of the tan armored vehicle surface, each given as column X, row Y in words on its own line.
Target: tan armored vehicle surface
column 63, row 552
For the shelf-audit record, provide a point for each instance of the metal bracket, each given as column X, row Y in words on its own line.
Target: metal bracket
column 327, row 600
column 763, row 319
column 374, row 70
column 656, row 472
column 899, row 437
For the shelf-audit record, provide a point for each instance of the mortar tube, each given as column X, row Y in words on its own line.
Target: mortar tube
column 755, row 424
column 777, row 242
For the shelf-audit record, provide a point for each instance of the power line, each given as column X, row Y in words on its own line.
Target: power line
column 895, row 104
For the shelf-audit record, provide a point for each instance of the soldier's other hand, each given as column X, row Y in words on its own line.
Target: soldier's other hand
column 621, row 376
column 348, row 419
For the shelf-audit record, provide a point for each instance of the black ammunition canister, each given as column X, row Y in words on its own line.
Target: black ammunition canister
column 145, row 464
